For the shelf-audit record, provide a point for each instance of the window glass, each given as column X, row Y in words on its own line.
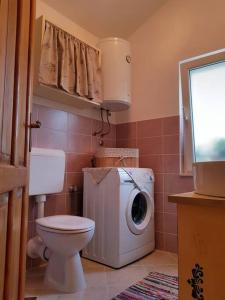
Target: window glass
column 207, row 95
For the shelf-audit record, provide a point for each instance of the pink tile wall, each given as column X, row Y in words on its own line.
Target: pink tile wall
column 73, row 134
column 158, row 143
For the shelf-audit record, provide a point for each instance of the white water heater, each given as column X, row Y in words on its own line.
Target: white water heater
column 116, row 73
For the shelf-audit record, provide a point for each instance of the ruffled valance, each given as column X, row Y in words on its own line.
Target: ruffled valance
column 69, row 64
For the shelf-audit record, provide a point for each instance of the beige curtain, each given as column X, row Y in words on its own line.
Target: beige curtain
column 69, row 64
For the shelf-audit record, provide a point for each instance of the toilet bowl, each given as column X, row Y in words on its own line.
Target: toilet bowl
column 65, row 236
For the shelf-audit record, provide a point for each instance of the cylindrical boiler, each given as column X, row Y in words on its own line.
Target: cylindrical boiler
column 116, row 73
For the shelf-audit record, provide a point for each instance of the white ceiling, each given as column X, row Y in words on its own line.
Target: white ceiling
column 107, row 17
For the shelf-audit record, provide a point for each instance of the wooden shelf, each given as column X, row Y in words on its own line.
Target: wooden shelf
column 58, row 95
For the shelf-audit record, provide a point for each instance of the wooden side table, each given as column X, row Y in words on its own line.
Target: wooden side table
column 201, row 246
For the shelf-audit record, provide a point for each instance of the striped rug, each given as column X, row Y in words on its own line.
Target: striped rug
column 155, row 286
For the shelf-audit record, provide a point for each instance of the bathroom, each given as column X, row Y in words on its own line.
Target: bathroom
column 166, row 39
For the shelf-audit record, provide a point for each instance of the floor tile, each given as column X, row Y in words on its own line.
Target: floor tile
column 126, row 276
column 158, row 258
column 116, row 290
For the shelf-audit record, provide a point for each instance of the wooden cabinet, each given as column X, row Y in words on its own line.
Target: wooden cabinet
column 201, row 246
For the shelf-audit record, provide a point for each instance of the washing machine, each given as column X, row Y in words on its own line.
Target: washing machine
column 121, row 202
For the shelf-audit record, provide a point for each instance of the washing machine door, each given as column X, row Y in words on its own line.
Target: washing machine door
column 140, row 210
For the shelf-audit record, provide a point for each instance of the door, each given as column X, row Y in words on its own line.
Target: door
column 140, row 210
column 16, row 34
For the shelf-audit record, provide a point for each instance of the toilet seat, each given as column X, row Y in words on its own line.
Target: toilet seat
column 65, row 224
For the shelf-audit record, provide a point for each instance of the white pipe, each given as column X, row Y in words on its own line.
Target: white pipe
column 40, row 200
column 36, row 248
column 41, row 209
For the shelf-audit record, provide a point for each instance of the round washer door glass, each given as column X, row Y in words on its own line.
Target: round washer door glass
column 139, row 208
column 139, row 211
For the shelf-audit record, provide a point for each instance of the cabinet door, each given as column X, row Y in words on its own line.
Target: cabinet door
column 201, row 234
column 16, row 24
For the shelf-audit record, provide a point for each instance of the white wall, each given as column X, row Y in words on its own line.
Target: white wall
column 179, row 30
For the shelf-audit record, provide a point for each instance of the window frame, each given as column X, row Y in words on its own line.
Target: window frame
column 185, row 110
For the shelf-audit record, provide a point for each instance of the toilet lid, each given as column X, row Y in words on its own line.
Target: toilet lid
column 66, row 223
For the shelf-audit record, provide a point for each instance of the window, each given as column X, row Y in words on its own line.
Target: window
column 202, row 110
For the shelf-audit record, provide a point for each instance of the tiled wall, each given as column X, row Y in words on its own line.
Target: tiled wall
column 158, row 142
column 73, row 134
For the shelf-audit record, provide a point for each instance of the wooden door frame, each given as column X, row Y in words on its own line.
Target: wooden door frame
column 24, row 224
column 14, row 168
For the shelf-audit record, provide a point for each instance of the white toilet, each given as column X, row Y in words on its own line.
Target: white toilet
column 61, row 237
column 65, row 236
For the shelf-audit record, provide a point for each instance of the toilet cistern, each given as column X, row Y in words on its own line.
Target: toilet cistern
column 47, row 168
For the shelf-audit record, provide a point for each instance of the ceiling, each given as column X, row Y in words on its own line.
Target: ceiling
column 106, row 18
